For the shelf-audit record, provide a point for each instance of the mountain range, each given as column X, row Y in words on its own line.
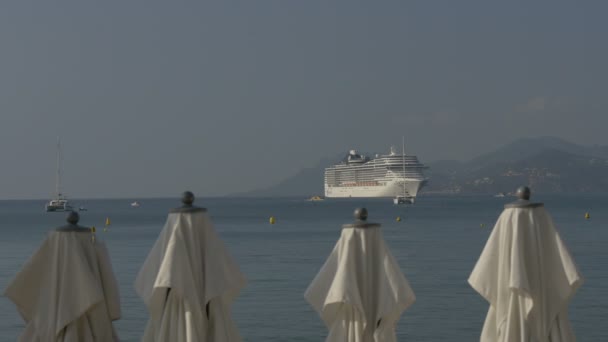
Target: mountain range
column 546, row 164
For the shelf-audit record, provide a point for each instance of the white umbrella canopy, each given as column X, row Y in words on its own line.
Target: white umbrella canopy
column 67, row 291
column 528, row 276
column 189, row 281
column 360, row 292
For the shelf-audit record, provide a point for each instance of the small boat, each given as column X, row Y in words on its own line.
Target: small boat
column 58, row 204
column 135, row 204
column 500, row 194
column 316, row 198
column 403, row 200
column 82, row 208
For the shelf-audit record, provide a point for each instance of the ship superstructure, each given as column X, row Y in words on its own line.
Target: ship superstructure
column 391, row 175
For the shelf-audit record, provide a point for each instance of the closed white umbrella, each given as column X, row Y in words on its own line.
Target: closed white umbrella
column 360, row 292
column 67, row 292
column 527, row 275
column 189, row 281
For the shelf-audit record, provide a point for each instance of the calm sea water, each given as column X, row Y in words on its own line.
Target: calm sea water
column 436, row 244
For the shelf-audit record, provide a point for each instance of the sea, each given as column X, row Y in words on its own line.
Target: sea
column 436, row 242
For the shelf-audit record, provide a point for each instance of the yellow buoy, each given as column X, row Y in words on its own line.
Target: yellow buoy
column 272, row 220
column 108, row 222
column 398, row 219
column 587, row 216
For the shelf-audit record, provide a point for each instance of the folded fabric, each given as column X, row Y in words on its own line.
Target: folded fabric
column 528, row 276
column 360, row 292
column 67, row 291
column 188, row 283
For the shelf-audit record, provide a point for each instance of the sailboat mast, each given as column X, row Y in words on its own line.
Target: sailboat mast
column 403, row 162
column 58, row 174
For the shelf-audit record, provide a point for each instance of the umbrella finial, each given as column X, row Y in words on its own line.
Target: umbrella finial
column 523, row 192
column 360, row 214
column 188, row 198
column 73, row 218
column 187, row 207
column 523, row 201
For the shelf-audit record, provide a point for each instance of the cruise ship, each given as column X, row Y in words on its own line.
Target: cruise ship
column 392, row 175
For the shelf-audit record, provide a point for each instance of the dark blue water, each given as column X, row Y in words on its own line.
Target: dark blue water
column 436, row 244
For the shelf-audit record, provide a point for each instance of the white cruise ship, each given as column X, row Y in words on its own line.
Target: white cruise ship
column 393, row 175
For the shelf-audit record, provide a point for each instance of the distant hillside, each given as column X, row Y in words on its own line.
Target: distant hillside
column 547, row 164
column 307, row 182
column 529, row 147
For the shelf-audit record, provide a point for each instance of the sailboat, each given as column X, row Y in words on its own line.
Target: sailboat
column 405, row 198
column 59, row 202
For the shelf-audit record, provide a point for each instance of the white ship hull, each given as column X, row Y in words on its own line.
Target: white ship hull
column 390, row 188
column 391, row 175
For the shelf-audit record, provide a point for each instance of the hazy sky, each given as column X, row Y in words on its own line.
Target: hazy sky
column 154, row 97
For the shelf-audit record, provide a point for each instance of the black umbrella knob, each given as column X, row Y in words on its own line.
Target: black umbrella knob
column 523, row 192
column 73, row 217
column 188, row 198
column 360, row 214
